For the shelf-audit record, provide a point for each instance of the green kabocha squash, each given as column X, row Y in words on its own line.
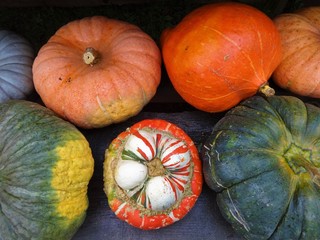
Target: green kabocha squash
column 263, row 160
column 45, row 167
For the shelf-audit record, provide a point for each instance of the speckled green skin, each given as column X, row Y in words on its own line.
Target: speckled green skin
column 29, row 134
column 263, row 159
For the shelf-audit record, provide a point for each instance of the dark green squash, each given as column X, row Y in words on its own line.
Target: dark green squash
column 45, row 166
column 263, row 160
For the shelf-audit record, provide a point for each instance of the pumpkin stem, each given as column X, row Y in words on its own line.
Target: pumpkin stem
column 313, row 171
column 266, row 90
column 91, row 56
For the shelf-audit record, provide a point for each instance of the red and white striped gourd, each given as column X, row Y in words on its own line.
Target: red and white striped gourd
column 152, row 174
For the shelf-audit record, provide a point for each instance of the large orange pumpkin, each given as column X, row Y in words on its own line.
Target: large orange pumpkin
column 220, row 54
column 97, row 71
column 299, row 70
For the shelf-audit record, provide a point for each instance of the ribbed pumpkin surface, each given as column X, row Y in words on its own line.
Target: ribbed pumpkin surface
column 45, row 167
column 16, row 59
column 263, row 160
column 120, row 81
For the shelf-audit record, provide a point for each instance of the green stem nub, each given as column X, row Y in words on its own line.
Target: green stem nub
column 313, row 170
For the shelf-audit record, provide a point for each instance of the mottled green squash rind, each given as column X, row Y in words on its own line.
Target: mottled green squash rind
column 249, row 159
column 29, row 137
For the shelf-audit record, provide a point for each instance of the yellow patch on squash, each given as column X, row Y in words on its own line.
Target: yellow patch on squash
column 71, row 176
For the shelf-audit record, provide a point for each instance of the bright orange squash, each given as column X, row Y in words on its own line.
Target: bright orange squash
column 97, row 71
column 220, row 54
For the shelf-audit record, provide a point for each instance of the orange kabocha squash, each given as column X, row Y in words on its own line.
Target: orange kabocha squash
column 97, row 71
column 220, row 54
column 299, row 70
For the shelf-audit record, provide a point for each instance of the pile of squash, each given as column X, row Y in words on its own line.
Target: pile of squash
column 262, row 157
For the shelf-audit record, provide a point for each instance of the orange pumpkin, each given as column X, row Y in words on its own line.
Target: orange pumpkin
column 97, row 71
column 220, row 54
column 299, row 70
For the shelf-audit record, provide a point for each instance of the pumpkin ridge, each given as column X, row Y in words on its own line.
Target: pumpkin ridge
column 22, row 75
column 43, row 225
column 107, row 110
column 15, row 56
column 43, row 61
column 307, row 20
column 297, row 52
column 18, row 47
column 223, row 182
column 12, row 117
column 136, row 80
column 136, row 36
column 251, row 132
column 3, row 71
column 293, row 197
column 17, row 89
column 61, row 39
column 17, row 210
column 303, row 110
column 297, row 39
column 10, row 43
column 138, row 66
column 12, row 206
column 104, row 109
column 12, row 63
column 54, row 49
column 9, row 221
column 7, row 82
column 315, row 85
column 270, row 110
column 237, row 215
column 275, row 116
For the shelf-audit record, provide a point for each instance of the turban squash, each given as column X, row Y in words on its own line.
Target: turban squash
column 152, row 174
column 45, row 167
column 263, row 159
column 220, row 54
column 97, row 71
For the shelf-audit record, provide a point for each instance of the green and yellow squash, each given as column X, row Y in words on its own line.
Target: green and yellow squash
column 45, row 168
column 263, row 160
